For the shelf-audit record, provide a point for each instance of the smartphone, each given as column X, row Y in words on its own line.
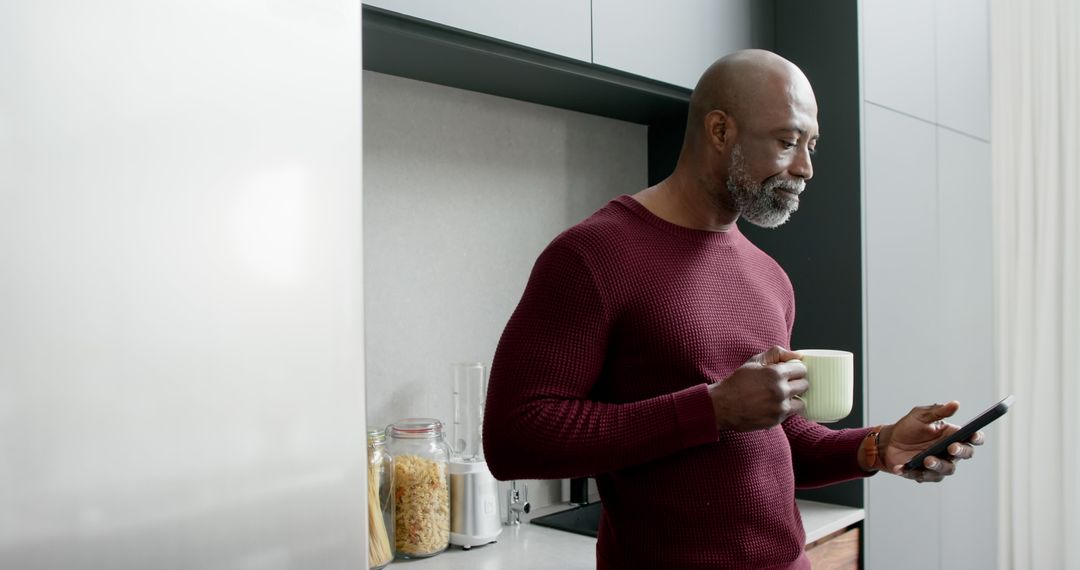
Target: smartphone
column 940, row 448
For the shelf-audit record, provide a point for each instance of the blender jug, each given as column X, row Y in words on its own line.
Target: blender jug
column 474, row 492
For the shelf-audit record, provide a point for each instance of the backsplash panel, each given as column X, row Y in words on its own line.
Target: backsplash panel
column 461, row 192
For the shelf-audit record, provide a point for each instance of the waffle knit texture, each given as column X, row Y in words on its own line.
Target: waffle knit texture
column 603, row 370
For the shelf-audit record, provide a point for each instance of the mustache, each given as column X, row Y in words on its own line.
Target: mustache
column 794, row 186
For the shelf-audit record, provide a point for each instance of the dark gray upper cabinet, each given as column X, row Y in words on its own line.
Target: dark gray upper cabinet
column 560, row 27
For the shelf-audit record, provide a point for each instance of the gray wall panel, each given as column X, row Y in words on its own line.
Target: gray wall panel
column 928, row 281
column 902, row 264
column 902, row 311
column 968, row 507
column 963, row 66
column 898, row 55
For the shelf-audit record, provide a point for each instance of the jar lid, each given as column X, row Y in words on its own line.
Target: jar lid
column 415, row 428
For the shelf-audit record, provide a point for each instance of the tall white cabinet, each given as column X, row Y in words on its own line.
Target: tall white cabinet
column 927, row 229
column 181, row 348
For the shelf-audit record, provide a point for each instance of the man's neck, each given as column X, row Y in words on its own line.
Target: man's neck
column 687, row 202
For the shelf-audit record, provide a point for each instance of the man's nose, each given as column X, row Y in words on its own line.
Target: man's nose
column 803, row 167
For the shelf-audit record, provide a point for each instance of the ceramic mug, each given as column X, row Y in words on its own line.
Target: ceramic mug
column 831, row 374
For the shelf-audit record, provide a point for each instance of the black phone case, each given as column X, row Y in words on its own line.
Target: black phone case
column 940, row 448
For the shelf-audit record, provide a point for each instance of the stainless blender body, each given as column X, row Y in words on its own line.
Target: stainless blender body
column 474, row 504
column 474, row 492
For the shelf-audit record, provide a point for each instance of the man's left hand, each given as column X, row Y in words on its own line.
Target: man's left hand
column 918, row 430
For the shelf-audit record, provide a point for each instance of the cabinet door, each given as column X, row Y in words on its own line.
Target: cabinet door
column 898, row 56
column 965, row 226
column 675, row 41
column 930, row 60
column 962, row 49
column 903, row 335
column 556, row 26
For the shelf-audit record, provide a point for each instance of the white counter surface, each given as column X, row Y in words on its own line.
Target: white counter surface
column 532, row 547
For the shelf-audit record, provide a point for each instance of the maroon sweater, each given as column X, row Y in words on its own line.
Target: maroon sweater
column 602, row 371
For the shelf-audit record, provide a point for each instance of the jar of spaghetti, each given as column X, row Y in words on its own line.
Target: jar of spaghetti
column 421, row 487
column 380, row 486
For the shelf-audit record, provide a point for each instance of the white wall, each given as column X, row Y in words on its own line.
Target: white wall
column 461, row 193
column 180, row 316
column 928, row 266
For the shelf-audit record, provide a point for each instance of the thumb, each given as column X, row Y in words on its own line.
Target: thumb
column 932, row 413
column 778, row 354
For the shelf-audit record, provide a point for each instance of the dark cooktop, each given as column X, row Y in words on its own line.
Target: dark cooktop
column 584, row 519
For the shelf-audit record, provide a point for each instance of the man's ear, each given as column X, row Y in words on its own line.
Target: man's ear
column 720, row 128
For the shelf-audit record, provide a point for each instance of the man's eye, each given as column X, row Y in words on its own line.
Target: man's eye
column 787, row 144
column 812, row 151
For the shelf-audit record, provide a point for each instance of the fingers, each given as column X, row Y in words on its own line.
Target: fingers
column 977, row 439
column 778, row 354
column 937, row 469
column 791, row 376
column 796, row 405
column 792, row 383
column 961, row 451
column 934, row 470
column 797, row 387
column 791, row 369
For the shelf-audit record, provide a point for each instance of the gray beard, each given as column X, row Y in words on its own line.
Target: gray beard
column 765, row 204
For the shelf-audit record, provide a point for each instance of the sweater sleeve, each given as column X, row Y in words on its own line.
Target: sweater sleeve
column 540, row 421
column 821, row 456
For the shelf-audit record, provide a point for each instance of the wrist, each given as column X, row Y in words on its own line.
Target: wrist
column 872, row 449
column 720, row 411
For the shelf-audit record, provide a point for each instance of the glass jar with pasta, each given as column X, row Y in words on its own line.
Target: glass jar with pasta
column 380, row 500
column 421, row 487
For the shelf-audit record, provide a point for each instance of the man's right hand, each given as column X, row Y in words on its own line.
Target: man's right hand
column 761, row 393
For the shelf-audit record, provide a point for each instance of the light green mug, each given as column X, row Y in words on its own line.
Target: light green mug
column 831, row 374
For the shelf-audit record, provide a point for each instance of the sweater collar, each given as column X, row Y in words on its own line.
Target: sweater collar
column 731, row 237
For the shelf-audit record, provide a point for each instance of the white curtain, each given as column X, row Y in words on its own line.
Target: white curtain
column 1035, row 64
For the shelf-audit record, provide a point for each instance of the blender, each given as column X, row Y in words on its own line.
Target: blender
column 474, row 492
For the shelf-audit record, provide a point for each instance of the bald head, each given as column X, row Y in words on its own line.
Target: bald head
column 751, row 130
column 744, row 85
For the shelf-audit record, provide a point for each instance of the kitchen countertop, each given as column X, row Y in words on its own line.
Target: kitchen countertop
column 533, row 547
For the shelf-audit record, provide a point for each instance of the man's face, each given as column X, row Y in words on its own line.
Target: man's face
column 770, row 163
column 767, row 204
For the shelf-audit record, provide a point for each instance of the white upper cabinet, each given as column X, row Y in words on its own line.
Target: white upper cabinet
column 675, row 41
column 930, row 60
column 556, row 26
column 898, row 56
column 963, row 66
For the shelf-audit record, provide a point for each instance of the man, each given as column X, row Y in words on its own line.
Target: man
column 640, row 351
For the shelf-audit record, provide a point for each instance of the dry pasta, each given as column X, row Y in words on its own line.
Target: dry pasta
column 379, row 553
column 422, row 503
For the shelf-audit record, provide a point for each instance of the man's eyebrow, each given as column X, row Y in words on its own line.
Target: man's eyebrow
column 801, row 132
